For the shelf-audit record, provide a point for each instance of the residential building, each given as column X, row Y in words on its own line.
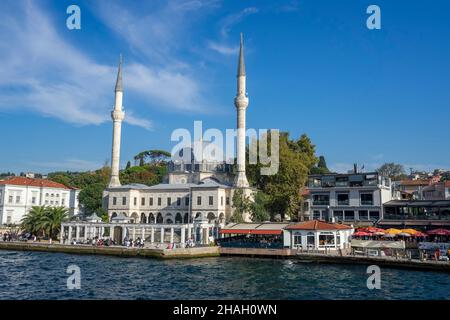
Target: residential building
column 412, row 189
column 349, row 198
column 19, row 194
column 437, row 191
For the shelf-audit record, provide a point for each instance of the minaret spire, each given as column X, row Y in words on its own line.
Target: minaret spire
column 119, row 86
column 117, row 116
column 241, row 64
column 241, row 103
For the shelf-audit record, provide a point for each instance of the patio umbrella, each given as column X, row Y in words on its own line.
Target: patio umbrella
column 410, row 231
column 439, row 232
column 389, row 235
column 419, row 234
column 404, row 234
column 361, row 234
column 375, row 230
column 393, row 231
column 378, row 233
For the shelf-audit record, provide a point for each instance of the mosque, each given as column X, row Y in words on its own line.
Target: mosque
column 194, row 201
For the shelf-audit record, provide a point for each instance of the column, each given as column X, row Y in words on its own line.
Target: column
column 102, row 231
column 182, row 240
column 70, row 234
column 162, row 235
column 134, row 233
column 111, row 232
column 207, row 235
column 94, row 233
column 77, row 234
column 189, row 230
column 200, row 233
column 143, row 233
column 152, row 236
column 171, row 235
column 61, row 235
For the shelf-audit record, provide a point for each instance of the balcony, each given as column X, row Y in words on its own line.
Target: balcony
column 321, row 202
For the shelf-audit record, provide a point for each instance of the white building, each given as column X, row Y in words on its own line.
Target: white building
column 19, row 194
column 317, row 235
column 194, row 189
column 349, row 198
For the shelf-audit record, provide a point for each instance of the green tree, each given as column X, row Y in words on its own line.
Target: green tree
column 32, row 221
column 392, row 170
column 140, row 157
column 91, row 197
column 321, row 167
column 296, row 158
column 52, row 219
column 158, row 156
column 241, row 205
column 128, row 165
column 258, row 207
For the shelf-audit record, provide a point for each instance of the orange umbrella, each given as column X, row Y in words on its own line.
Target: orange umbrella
column 393, row 231
column 410, row 231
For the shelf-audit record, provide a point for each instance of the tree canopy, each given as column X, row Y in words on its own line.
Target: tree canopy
column 296, row 159
column 392, row 170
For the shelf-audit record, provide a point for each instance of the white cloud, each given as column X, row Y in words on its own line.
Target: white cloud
column 235, row 18
column 41, row 71
column 223, row 49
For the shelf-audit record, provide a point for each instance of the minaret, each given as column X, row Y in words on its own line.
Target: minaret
column 117, row 116
column 241, row 103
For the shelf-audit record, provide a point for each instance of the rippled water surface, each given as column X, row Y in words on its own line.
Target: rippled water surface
column 38, row 275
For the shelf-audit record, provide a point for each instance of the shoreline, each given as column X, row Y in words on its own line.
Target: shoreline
column 204, row 252
column 118, row 251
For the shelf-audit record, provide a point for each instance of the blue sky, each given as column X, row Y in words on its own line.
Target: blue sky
column 366, row 96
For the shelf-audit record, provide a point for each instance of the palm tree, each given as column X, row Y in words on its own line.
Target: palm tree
column 51, row 221
column 32, row 221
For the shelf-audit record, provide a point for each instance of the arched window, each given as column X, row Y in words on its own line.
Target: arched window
column 198, row 215
column 134, row 217
column 169, row 218
column 186, row 218
column 113, row 215
column 221, row 218
column 178, row 218
column 143, row 218
column 159, row 218
column 151, row 218
column 211, row 217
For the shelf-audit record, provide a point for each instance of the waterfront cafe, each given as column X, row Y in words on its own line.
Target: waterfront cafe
column 317, row 235
column 252, row 235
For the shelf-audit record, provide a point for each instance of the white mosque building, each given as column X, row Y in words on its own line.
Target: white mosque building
column 193, row 203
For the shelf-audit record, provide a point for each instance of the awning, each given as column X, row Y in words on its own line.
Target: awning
column 251, row 231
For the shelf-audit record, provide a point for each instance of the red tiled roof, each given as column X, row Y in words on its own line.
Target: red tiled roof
column 22, row 181
column 250, row 231
column 414, row 182
column 317, row 225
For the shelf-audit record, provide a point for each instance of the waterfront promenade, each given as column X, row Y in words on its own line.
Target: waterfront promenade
column 214, row 251
column 121, row 251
